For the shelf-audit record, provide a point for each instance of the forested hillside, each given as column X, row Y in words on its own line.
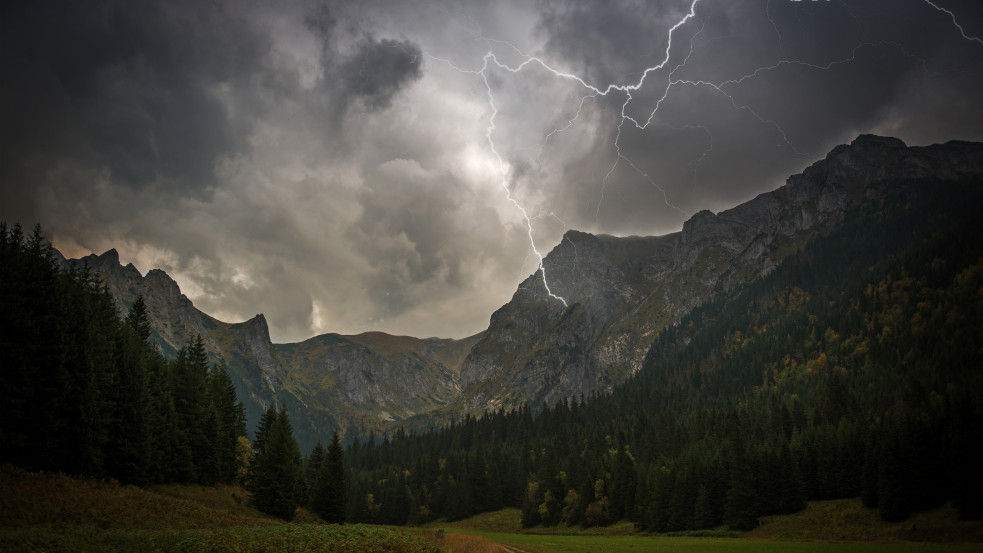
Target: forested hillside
column 83, row 391
column 853, row 369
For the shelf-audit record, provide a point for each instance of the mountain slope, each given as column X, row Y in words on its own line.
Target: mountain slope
column 376, row 376
column 622, row 292
column 254, row 365
column 851, row 369
column 328, row 382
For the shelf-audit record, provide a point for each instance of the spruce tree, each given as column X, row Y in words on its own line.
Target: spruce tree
column 230, row 421
column 741, row 506
column 330, row 495
column 314, row 462
column 277, row 479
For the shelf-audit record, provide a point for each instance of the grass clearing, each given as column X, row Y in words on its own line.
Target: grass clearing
column 55, row 513
column 837, row 525
column 287, row 538
column 539, row 543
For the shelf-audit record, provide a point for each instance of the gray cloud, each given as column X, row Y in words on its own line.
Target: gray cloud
column 327, row 163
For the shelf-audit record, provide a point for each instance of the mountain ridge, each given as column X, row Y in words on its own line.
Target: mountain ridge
column 264, row 372
column 620, row 292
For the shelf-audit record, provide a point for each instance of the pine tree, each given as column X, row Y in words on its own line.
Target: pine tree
column 314, row 462
column 129, row 449
column 230, row 421
column 277, row 479
column 741, row 506
column 330, row 496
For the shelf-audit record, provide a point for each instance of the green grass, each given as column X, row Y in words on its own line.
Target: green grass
column 287, row 538
column 539, row 543
column 56, row 513
column 837, row 525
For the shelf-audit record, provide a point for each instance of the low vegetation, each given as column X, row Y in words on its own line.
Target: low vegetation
column 53, row 512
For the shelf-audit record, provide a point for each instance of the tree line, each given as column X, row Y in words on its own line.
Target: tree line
column 84, row 391
column 853, row 369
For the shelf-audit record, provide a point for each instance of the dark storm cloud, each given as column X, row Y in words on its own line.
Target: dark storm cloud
column 378, row 70
column 370, row 71
column 609, row 42
column 123, row 86
column 815, row 74
column 328, row 163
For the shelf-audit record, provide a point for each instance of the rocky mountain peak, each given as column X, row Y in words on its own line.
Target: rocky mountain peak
column 621, row 292
column 110, row 256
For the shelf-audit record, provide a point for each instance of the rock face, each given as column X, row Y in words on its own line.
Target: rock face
column 383, row 377
column 255, row 366
column 622, row 291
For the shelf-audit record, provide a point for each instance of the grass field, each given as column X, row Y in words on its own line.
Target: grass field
column 538, row 543
column 53, row 513
column 835, row 526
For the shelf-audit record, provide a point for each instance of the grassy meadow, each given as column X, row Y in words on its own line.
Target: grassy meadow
column 53, row 513
column 824, row 526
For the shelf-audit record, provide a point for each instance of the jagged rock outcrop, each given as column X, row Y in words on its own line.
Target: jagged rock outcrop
column 254, row 364
column 622, row 291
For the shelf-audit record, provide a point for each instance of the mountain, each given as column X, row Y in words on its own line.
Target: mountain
column 376, row 377
column 853, row 368
column 621, row 292
column 329, row 382
column 254, row 364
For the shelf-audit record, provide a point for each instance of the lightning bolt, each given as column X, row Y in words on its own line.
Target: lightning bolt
column 954, row 22
column 491, row 60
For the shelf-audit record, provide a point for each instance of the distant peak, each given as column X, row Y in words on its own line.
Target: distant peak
column 110, row 255
column 161, row 277
column 577, row 235
column 872, row 139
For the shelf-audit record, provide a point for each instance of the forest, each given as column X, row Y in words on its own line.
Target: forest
column 853, row 369
column 83, row 391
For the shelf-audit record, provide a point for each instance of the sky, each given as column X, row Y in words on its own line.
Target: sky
column 401, row 165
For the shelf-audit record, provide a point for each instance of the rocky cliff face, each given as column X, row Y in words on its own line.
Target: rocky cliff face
column 254, row 364
column 382, row 377
column 622, row 291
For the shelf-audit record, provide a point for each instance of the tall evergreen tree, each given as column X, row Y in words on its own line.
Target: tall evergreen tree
column 330, row 495
column 741, row 507
column 230, row 421
column 277, row 479
column 313, row 470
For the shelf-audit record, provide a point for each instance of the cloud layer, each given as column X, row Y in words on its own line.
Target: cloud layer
column 343, row 167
